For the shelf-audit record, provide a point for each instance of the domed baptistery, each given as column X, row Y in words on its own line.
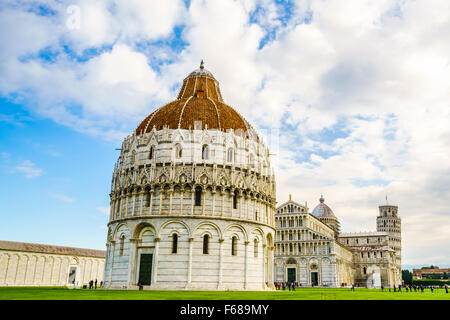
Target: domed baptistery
column 192, row 198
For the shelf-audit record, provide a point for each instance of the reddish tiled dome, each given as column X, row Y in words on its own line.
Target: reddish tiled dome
column 322, row 210
column 199, row 99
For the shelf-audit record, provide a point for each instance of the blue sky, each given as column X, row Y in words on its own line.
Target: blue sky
column 351, row 97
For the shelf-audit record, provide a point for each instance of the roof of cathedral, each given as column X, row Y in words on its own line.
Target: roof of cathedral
column 322, row 210
column 362, row 234
column 45, row 248
column 199, row 99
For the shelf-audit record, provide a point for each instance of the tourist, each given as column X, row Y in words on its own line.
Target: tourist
column 432, row 289
column 399, row 288
column 95, row 283
column 446, row 288
column 352, row 287
column 382, row 288
column 395, row 289
column 101, row 284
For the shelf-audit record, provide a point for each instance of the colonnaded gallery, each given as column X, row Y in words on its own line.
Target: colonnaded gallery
column 193, row 207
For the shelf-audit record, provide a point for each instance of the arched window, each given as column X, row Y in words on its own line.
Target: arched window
column 205, row 152
column 133, row 157
column 121, row 245
column 256, row 217
column 198, row 196
column 255, row 244
column 174, row 243
column 251, row 160
column 235, row 200
column 150, row 155
column 206, row 244
column 147, row 199
column 230, row 155
column 234, row 246
column 178, row 151
column 365, row 270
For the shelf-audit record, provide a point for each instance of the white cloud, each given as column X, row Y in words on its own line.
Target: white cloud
column 359, row 90
column 29, row 169
column 62, row 197
column 104, row 210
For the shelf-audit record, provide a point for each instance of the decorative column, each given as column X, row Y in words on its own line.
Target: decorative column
column 181, row 199
column 126, row 205
column 246, row 264
column 203, row 201
column 170, row 201
column 121, row 205
column 247, row 216
column 189, row 275
column 264, row 261
column 213, row 201
column 150, row 207
column 134, row 202
column 222, row 194
column 142, row 196
column 192, row 200
column 132, row 263
column 219, row 286
column 161, row 191
column 155, row 265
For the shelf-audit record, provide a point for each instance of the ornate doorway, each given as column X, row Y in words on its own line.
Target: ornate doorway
column 314, row 278
column 291, row 277
column 145, row 269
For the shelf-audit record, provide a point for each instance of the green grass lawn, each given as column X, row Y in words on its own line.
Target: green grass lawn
column 54, row 293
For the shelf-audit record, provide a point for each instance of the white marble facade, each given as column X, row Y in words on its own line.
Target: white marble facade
column 192, row 208
column 311, row 252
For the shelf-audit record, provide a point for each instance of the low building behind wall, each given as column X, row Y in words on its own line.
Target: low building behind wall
column 32, row 264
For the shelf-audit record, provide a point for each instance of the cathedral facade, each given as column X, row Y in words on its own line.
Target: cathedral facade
column 311, row 251
column 192, row 198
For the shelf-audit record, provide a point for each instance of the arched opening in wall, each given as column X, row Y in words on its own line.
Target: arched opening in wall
column 205, row 152
column 133, row 157
column 365, row 270
column 198, row 196
column 230, row 154
column 234, row 246
column 178, row 151
column 235, row 199
column 206, row 244
column 251, row 160
column 255, row 244
column 174, row 243
column 151, row 153
column 121, row 245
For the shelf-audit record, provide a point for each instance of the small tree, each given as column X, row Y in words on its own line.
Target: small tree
column 407, row 277
column 445, row 276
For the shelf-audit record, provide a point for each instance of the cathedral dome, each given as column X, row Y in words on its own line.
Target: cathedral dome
column 322, row 210
column 199, row 105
